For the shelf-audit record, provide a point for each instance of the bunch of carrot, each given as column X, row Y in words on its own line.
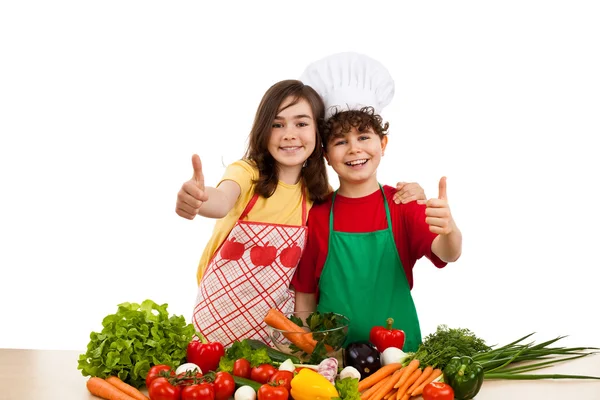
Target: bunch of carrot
column 113, row 388
column 295, row 334
column 397, row 382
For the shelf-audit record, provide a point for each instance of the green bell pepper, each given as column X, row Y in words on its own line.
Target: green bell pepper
column 465, row 376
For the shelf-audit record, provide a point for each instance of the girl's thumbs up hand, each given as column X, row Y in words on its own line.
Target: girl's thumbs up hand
column 192, row 193
column 437, row 213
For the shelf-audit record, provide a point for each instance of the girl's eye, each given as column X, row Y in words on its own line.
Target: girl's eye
column 277, row 125
column 338, row 142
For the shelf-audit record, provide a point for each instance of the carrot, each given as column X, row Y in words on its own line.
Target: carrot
column 276, row 319
column 390, row 395
column 371, row 391
column 405, row 397
column 411, row 379
column 387, row 387
column 410, row 368
column 305, row 341
column 426, row 372
column 378, row 375
column 434, row 374
column 126, row 388
column 99, row 387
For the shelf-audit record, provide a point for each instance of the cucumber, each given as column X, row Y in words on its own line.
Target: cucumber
column 239, row 381
column 275, row 354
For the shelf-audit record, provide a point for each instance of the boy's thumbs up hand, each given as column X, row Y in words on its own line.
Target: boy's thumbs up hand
column 437, row 213
column 192, row 193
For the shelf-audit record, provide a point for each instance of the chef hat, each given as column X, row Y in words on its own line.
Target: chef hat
column 350, row 81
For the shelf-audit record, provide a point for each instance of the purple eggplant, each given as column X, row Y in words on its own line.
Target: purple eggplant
column 363, row 356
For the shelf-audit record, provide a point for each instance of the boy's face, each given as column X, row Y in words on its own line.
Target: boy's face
column 356, row 155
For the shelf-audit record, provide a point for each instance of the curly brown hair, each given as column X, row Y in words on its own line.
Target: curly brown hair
column 342, row 122
column 314, row 174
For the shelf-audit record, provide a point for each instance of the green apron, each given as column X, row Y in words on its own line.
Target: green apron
column 364, row 280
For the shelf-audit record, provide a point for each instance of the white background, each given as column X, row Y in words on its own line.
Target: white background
column 103, row 103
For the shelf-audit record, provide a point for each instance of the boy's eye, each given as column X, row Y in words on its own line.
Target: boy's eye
column 302, row 124
column 363, row 137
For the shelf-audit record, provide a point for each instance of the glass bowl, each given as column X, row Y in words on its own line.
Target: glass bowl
column 332, row 339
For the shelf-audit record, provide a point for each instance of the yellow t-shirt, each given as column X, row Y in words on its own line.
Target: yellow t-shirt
column 283, row 207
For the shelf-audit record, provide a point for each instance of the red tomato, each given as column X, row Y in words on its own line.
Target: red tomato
column 241, row 368
column 262, row 373
column 437, row 391
column 155, row 373
column 161, row 389
column 269, row 392
column 224, row 385
column 202, row 391
column 283, row 378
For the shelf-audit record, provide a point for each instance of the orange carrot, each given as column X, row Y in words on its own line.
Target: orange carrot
column 426, row 372
column 419, row 390
column 276, row 319
column 99, row 387
column 371, row 391
column 410, row 368
column 387, row 387
column 411, row 379
column 126, row 388
column 378, row 375
column 405, row 397
column 390, row 395
column 304, row 340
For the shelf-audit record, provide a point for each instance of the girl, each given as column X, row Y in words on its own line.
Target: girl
column 262, row 203
column 362, row 247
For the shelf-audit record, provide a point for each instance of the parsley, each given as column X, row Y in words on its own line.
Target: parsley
column 439, row 347
column 348, row 388
column 243, row 350
column 318, row 323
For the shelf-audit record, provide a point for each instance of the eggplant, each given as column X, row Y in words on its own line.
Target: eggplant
column 363, row 356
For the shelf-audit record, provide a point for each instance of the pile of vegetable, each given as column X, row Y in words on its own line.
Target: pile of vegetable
column 134, row 339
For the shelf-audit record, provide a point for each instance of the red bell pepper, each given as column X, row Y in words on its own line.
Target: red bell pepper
column 204, row 354
column 384, row 337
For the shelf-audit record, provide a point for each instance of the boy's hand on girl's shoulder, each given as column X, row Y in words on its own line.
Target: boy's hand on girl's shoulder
column 438, row 215
column 192, row 193
column 409, row 191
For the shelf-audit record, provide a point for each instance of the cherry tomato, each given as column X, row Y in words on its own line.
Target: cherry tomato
column 283, row 378
column 241, row 368
column 224, row 385
column 437, row 391
column 155, row 373
column 202, row 391
column 270, row 392
column 161, row 389
column 262, row 373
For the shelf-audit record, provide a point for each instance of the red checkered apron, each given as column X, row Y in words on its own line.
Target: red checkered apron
column 248, row 275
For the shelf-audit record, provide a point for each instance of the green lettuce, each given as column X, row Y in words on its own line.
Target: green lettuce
column 134, row 339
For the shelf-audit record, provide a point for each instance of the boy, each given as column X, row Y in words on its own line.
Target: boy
column 362, row 246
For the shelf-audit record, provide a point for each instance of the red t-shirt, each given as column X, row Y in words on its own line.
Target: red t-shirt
column 365, row 214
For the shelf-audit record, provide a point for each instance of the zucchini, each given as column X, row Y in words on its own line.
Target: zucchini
column 275, row 354
column 239, row 381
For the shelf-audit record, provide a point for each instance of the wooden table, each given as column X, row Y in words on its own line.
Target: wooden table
column 53, row 375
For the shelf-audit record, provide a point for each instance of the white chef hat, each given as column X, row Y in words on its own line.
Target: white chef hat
column 350, row 81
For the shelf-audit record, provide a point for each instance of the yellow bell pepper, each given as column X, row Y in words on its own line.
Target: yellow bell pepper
column 310, row 385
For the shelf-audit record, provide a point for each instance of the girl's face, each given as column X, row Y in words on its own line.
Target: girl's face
column 356, row 156
column 293, row 135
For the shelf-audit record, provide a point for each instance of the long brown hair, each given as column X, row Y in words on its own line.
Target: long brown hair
column 314, row 173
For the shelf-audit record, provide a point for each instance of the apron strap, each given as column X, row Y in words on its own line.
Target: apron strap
column 387, row 211
column 254, row 198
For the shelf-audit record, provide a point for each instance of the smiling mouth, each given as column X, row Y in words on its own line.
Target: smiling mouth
column 354, row 163
column 291, row 148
